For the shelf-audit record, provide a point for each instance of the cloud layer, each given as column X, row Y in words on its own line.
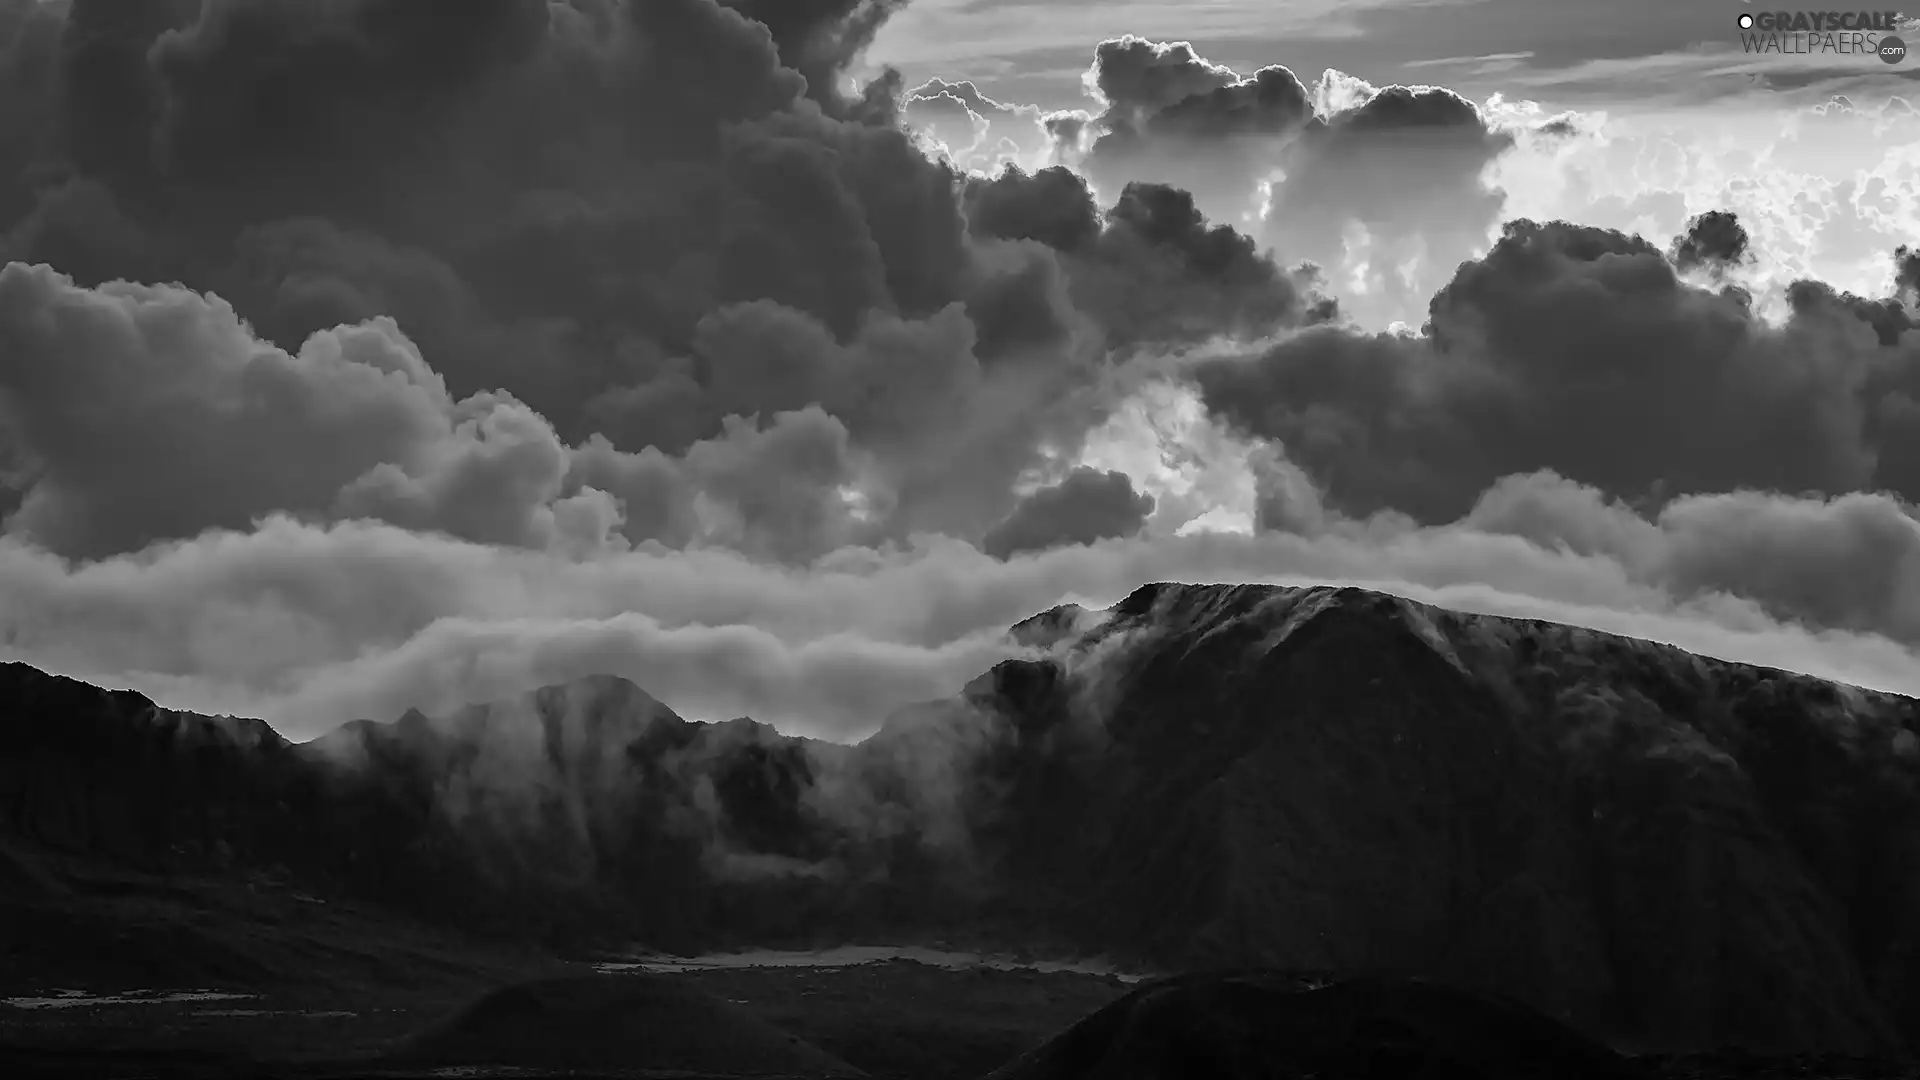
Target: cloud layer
column 357, row 357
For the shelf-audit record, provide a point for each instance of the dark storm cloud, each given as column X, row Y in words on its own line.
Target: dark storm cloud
column 1086, row 506
column 1136, row 78
column 1906, row 274
column 29, row 36
column 1176, row 277
column 633, row 241
column 524, row 144
column 79, row 223
column 1582, row 350
column 497, row 138
column 1272, row 102
column 1053, row 206
column 819, row 38
column 638, row 219
column 1714, row 240
column 1410, row 108
column 1152, row 268
column 150, row 412
column 294, row 276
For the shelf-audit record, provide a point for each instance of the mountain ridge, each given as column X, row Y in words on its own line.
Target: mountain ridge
column 1660, row 847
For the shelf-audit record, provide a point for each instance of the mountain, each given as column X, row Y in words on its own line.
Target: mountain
column 1259, row 1024
column 1661, row 849
column 588, row 1024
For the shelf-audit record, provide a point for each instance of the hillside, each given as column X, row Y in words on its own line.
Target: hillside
column 1661, row 849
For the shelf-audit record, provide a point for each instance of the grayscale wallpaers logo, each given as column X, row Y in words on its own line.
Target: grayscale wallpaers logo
column 1803, row 33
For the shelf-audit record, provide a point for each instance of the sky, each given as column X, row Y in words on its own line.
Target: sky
column 779, row 355
column 1604, row 55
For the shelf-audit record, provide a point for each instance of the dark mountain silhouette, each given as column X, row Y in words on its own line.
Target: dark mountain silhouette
column 1254, row 1025
column 1658, row 848
column 633, row 1023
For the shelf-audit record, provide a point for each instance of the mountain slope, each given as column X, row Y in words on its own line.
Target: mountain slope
column 1661, row 848
column 566, row 815
column 1248, row 1024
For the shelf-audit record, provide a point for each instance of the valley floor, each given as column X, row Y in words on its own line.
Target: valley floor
column 894, row 1018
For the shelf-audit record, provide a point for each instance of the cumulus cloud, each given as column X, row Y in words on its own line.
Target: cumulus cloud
column 1584, row 351
column 359, row 357
column 541, row 194
column 1087, row 505
column 1152, row 268
column 1171, row 116
column 583, row 235
column 1825, row 188
column 1384, row 188
column 1714, row 240
column 151, row 412
column 976, row 132
column 1388, row 193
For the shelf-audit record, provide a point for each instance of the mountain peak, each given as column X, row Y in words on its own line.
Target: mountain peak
column 98, row 712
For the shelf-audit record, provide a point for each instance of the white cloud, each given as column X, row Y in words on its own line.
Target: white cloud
column 310, row 626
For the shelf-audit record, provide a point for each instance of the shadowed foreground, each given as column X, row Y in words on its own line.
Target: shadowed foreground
column 1259, row 1025
column 616, row 1022
column 891, row 1020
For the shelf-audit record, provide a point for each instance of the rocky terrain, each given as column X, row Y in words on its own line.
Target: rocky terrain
column 1664, row 852
column 1252, row 1024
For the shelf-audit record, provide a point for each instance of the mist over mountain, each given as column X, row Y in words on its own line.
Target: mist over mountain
column 1651, row 845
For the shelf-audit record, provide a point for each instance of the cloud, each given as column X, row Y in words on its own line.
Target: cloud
column 820, row 38
column 1389, row 194
column 1715, row 240
column 1382, row 187
column 148, row 412
column 580, row 233
column 355, row 357
column 1152, row 269
column 1136, row 78
column 1087, row 505
column 1219, row 143
column 223, row 428
column 1582, row 350
column 1170, row 116
column 1825, row 189
column 308, row 625
column 976, row 132
column 1850, row 562
column 545, row 198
